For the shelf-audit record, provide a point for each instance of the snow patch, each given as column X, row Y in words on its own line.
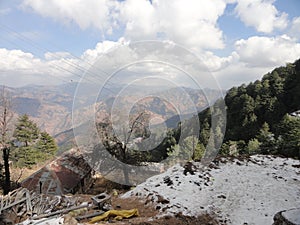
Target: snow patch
column 247, row 191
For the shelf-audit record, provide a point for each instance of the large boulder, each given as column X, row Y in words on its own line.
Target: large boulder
column 287, row 217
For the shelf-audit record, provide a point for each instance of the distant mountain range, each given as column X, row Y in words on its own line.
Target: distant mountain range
column 51, row 106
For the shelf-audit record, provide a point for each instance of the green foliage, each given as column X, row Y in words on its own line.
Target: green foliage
column 26, row 156
column 253, row 146
column 46, row 146
column 205, row 132
column 267, row 140
column 174, row 152
column 289, row 138
column 164, row 148
column 189, row 149
column 248, row 107
column 232, row 148
column 256, row 120
column 255, row 114
column 26, row 132
column 168, row 143
column 30, row 144
column 199, row 152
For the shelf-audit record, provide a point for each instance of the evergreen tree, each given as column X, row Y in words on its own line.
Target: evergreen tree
column 267, row 140
column 205, row 133
column 46, row 146
column 253, row 146
column 190, row 149
column 31, row 145
column 289, row 138
column 26, row 131
column 26, row 156
column 232, row 148
column 199, row 152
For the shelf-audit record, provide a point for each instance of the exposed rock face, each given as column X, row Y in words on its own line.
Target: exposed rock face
column 287, row 217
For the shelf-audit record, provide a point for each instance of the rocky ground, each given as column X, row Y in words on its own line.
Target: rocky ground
column 245, row 190
column 237, row 191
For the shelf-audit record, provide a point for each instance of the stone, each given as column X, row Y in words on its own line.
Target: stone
column 287, row 217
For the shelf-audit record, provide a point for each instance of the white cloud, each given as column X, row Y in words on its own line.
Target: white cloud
column 261, row 14
column 237, row 73
column 139, row 18
column 252, row 58
column 85, row 13
column 90, row 55
column 295, row 28
column 267, row 51
column 191, row 23
column 216, row 63
column 21, row 68
column 17, row 60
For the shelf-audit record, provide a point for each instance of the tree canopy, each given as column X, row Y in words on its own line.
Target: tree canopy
column 30, row 144
column 259, row 116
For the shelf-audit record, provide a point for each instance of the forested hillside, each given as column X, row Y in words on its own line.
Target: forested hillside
column 261, row 118
column 259, row 115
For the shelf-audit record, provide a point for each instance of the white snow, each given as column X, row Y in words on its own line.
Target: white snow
column 237, row 192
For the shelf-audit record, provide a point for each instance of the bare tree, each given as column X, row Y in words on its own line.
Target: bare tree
column 6, row 116
column 118, row 145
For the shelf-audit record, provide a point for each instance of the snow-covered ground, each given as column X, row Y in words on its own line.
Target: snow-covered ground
column 238, row 192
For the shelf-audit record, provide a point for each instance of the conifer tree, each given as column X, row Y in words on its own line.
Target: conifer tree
column 267, row 140
column 31, row 145
column 46, row 146
column 26, row 132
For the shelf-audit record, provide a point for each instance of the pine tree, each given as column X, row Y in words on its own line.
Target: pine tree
column 289, row 138
column 26, row 132
column 204, row 133
column 253, row 146
column 31, row 145
column 46, row 146
column 267, row 140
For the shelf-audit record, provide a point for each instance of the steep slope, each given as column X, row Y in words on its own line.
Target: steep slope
column 261, row 116
column 266, row 100
column 238, row 191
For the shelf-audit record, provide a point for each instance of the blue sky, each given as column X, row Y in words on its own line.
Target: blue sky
column 51, row 41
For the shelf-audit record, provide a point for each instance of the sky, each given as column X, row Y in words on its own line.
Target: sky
column 56, row 41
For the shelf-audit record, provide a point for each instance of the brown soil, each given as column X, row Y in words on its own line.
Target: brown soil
column 168, row 220
column 103, row 185
column 148, row 215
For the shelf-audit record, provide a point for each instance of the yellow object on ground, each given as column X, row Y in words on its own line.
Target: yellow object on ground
column 115, row 192
column 117, row 214
column 78, row 212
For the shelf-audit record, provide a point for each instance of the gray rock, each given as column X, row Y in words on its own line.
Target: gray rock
column 287, row 217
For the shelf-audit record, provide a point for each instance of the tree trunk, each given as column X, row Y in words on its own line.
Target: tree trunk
column 126, row 174
column 6, row 186
column 193, row 155
column 125, row 165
